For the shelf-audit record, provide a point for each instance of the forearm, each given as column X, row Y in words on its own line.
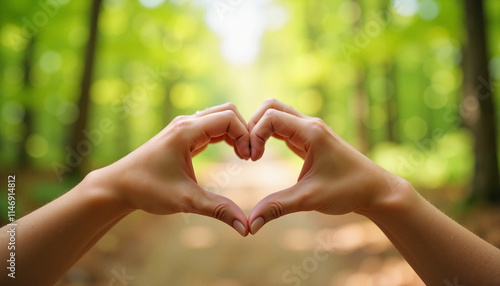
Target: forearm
column 51, row 239
column 438, row 248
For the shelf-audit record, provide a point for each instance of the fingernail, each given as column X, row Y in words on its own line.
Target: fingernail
column 257, row 224
column 238, row 226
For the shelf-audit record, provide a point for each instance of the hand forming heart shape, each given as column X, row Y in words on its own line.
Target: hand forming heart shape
column 158, row 177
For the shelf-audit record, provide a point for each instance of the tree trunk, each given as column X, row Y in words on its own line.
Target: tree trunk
column 362, row 102
column 77, row 136
column 24, row 159
column 391, row 102
column 486, row 182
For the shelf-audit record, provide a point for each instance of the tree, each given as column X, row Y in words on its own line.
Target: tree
column 29, row 119
column 362, row 104
column 486, row 182
column 77, row 135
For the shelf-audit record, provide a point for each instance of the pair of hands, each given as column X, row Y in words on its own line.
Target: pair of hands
column 158, row 177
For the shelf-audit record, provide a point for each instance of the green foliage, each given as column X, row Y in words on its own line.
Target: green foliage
column 156, row 63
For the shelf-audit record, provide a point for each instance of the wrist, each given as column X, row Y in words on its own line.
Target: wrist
column 103, row 192
column 392, row 195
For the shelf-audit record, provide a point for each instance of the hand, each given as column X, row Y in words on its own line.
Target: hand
column 158, row 177
column 335, row 178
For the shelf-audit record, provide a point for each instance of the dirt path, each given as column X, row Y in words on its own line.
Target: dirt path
column 299, row 249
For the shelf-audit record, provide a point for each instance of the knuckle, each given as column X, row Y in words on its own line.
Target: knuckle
column 318, row 129
column 277, row 209
column 317, row 122
column 180, row 125
column 220, row 212
column 271, row 113
column 230, row 105
column 271, row 101
column 179, row 118
column 229, row 114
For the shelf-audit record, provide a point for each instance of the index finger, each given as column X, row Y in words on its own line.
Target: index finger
column 222, row 107
column 271, row 103
column 284, row 126
column 215, row 125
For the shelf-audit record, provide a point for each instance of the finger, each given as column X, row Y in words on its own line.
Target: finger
column 213, row 141
column 221, row 208
column 232, row 143
column 271, row 103
column 276, row 205
column 219, row 124
column 223, row 107
column 285, row 126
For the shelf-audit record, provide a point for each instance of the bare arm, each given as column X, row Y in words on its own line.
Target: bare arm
column 52, row 238
column 158, row 178
column 337, row 179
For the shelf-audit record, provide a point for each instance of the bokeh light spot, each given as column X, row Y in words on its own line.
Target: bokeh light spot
column 494, row 66
column 444, row 80
column 12, row 36
column 106, row 91
column 37, row 146
column 307, row 70
column 435, row 100
column 428, row 10
column 349, row 12
column 434, row 171
column 183, row 95
column 151, row 3
column 415, row 128
column 197, row 237
column 51, row 62
column 113, row 22
column 310, row 102
column 298, row 239
column 406, row 8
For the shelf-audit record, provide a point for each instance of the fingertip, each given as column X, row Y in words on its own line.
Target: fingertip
column 256, row 225
column 256, row 150
column 255, row 157
column 240, row 228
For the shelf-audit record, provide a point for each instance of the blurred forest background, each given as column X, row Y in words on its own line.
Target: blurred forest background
column 410, row 83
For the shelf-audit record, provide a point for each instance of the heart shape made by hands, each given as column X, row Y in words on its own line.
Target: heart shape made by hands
column 335, row 178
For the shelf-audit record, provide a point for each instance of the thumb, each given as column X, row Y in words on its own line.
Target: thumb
column 219, row 207
column 290, row 200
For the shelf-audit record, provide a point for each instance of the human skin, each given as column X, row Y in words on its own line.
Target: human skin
column 336, row 179
column 157, row 177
